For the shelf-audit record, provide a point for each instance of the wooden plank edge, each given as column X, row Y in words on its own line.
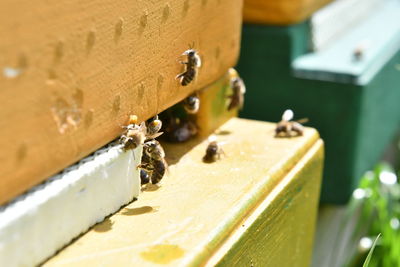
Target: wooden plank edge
column 243, row 226
column 205, row 249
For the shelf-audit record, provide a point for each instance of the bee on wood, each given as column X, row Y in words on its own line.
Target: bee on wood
column 192, row 104
column 153, row 162
column 288, row 128
column 237, row 97
column 213, row 151
column 134, row 134
column 153, row 128
column 192, row 64
column 360, row 50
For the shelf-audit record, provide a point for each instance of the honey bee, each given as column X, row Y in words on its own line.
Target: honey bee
column 288, row 128
column 179, row 130
column 360, row 50
column 153, row 128
column 192, row 104
column 153, row 162
column 213, row 151
column 237, row 98
column 134, row 134
column 144, row 177
column 192, row 64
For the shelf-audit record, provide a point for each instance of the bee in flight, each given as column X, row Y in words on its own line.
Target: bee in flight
column 237, row 97
column 288, row 128
column 213, row 151
column 153, row 165
column 192, row 64
column 192, row 104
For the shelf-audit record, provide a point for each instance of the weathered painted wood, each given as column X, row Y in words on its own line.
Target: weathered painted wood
column 283, row 12
column 214, row 103
column 199, row 206
column 72, row 72
column 326, row 27
column 338, row 62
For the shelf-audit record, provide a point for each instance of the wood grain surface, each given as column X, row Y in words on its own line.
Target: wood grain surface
column 73, row 71
column 263, row 186
column 282, row 12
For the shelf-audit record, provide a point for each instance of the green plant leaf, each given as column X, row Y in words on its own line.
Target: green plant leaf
column 368, row 259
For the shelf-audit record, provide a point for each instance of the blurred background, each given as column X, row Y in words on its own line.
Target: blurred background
column 338, row 64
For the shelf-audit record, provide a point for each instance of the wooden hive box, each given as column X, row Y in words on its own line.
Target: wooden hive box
column 73, row 72
column 283, row 12
column 352, row 103
column 214, row 214
column 264, row 184
column 88, row 191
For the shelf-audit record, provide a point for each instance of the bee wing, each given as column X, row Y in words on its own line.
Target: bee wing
column 287, row 115
column 303, row 120
column 142, row 126
column 179, row 76
column 222, row 143
column 242, row 87
column 198, row 61
column 212, row 138
column 154, row 136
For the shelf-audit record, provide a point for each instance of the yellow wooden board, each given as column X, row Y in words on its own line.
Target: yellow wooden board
column 199, row 209
column 282, row 12
column 72, row 72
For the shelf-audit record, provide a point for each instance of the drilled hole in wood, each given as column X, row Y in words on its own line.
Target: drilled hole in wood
column 118, row 30
column 90, row 41
column 166, row 13
column 185, row 9
column 89, row 118
column 143, row 22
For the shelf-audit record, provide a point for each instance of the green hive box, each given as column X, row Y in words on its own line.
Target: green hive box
column 355, row 105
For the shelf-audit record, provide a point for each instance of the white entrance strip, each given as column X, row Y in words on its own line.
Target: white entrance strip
column 39, row 223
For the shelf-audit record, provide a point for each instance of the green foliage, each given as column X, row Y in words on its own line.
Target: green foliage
column 381, row 212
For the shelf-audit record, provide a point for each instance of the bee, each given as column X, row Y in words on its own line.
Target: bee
column 358, row 54
column 192, row 64
column 179, row 130
column 360, row 50
column 134, row 134
column 144, row 177
column 213, row 151
column 237, row 98
column 192, row 104
column 288, row 128
column 153, row 128
column 153, row 162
